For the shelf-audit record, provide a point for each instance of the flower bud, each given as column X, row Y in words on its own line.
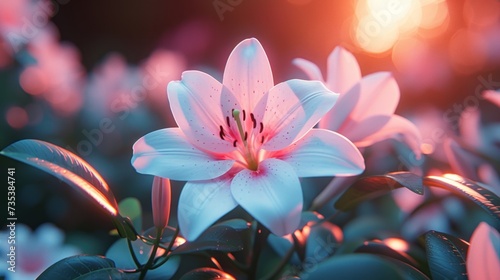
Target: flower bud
column 161, row 198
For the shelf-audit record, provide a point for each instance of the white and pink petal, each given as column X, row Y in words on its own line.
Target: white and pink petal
column 379, row 96
column 167, row 153
column 272, row 195
column 483, row 256
column 195, row 104
column 323, row 153
column 248, row 73
column 311, row 69
column 343, row 70
column 292, row 109
column 202, row 203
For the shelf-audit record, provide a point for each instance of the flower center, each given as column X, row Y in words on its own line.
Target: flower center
column 247, row 135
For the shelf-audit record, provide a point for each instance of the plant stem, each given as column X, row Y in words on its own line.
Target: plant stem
column 167, row 250
column 281, row 265
column 159, row 232
column 132, row 253
column 261, row 234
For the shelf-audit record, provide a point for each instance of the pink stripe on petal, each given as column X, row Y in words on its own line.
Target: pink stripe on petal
column 272, row 195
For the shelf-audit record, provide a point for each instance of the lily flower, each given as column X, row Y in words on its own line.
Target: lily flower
column 365, row 109
column 245, row 142
column 364, row 112
column 483, row 256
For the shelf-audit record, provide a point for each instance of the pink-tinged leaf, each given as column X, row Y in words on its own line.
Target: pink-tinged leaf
column 374, row 186
column 195, row 104
column 343, row 70
column 272, row 195
column 311, row 69
column 492, row 96
column 248, row 73
column 207, row 273
column 324, row 153
column 66, row 166
column 469, row 189
column 338, row 116
column 396, row 127
column 167, row 153
column 379, row 96
column 202, row 203
column 483, row 257
column 292, row 109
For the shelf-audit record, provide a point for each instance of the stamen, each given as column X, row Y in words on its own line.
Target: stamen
column 236, row 116
column 262, row 139
column 234, row 143
column 221, row 133
column 246, row 136
column 261, row 127
column 253, row 120
column 244, row 115
column 227, row 120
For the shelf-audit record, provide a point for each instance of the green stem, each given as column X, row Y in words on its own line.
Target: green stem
column 281, row 265
column 167, row 250
column 159, row 233
column 132, row 253
column 261, row 234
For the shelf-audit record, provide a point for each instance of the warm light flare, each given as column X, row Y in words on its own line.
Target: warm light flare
column 379, row 24
column 397, row 244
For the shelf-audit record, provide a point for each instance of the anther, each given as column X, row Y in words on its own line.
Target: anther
column 244, row 115
column 227, row 120
column 234, row 143
column 262, row 139
column 253, row 120
column 246, row 136
column 261, row 127
column 221, row 133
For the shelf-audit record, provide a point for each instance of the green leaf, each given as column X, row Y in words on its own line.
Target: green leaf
column 374, row 186
column 66, row 166
column 131, row 207
column 380, row 248
column 446, row 255
column 83, row 267
column 353, row 266
column 206, row 273
column 469, row 189
column 218, row 238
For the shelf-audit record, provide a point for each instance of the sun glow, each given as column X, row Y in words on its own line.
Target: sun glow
column 379, row 24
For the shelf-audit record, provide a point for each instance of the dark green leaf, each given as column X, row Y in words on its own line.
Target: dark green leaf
column 66, row 166
column 206, row 273
column 380, row 248
column 218, row 238
column 374, row 186
column 469, row 189
column 353, row 266
column 446, row 255
column 83, row 267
